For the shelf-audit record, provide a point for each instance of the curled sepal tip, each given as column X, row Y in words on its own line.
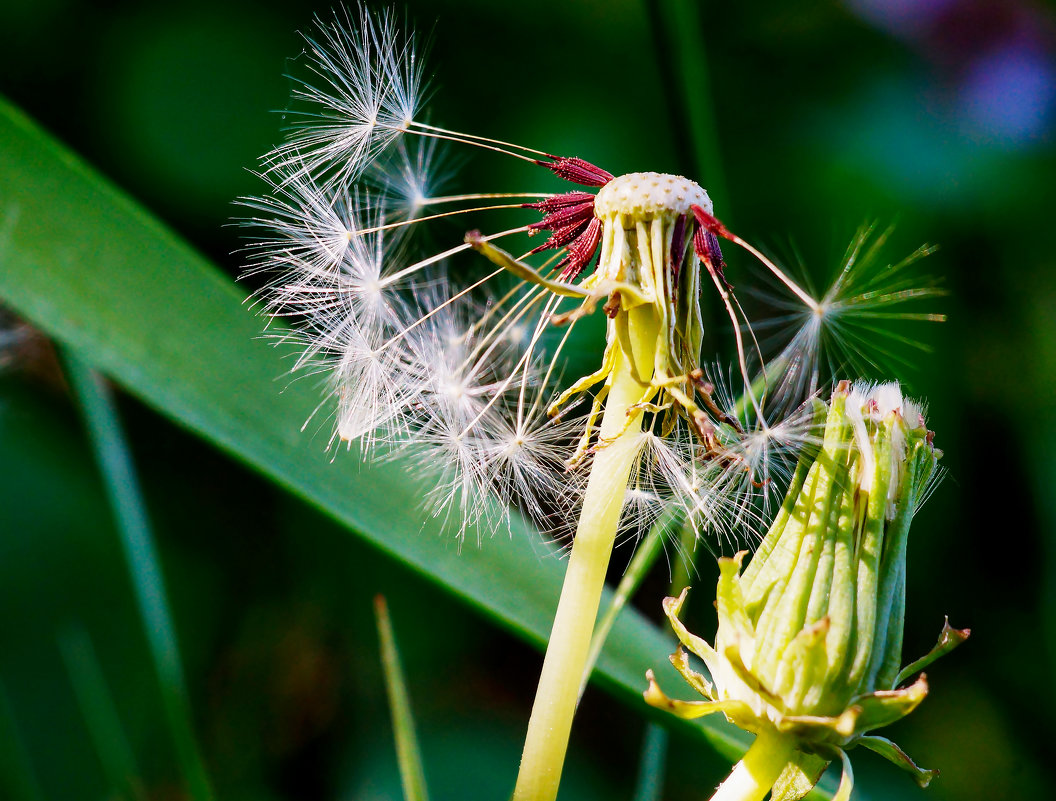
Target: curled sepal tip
column 689, row 710
column 896, row 756
column 696, row 645
column 843, row 792
column 949, row 638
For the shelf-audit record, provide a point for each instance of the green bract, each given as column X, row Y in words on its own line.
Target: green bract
column 809, row 639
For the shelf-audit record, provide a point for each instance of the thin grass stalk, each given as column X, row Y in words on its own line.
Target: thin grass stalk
column 651, row 767
column 99, row 712
column 408, row 754
column 678, row 35
column 15, row 762
column 148, row 584
column 653, row 758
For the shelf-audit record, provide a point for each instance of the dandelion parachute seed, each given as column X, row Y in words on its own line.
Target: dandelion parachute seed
column 469, row 370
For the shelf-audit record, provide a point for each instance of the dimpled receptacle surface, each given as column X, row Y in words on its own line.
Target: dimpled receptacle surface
column 644, row 195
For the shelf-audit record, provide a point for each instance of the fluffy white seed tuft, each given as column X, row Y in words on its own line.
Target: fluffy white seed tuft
column 364, row 89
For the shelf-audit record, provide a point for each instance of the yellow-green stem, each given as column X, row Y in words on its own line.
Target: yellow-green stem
column 577, row 609
column 752, row 777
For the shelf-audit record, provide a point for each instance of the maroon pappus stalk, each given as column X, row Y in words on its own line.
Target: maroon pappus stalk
column 706, row 243
column 678, row 248
column 570, row 216
column 711, row 223
column 581, row 251
column 578, row 171
column 561, row 201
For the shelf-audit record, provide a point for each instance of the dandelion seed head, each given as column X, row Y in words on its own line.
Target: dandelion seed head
column 644, row 195
column 298, row 220
column 411, row 177
column 463, row 374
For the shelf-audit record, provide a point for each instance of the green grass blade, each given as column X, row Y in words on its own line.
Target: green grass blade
column 16, row 767
column 650, row 784
column 678, row 31
column 137, row 542
column 90, row 268
column 412, row 775
column 100, row 715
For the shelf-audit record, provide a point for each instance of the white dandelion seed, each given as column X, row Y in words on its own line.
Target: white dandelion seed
column 868, row 405
column 854, row 327
column 413, row 177
column 364, row 90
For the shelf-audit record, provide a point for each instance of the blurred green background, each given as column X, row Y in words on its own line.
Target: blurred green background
column 803, row 119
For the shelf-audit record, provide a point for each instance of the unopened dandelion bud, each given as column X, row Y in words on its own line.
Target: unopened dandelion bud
column 810, row 634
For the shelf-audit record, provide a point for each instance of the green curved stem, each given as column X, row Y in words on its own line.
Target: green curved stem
column 566, row 654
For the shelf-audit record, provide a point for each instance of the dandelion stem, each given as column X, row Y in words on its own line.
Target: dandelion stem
column 752, row 777
column 644, row 557
column 566, row 655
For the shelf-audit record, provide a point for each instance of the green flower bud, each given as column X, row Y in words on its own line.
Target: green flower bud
column 809, row 639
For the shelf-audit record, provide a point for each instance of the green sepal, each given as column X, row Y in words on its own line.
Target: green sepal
column 762, row 573
column 799, row 777
column 884, row 707
column 891, row 597
column 805, row 662
column 696, row 645
column 896, row 756
column 821, row 729
column 732, row 654
column 680, row 659
column 729, row 600
column 786, row 610
column 949, row 639
column 843, row 792
column 690, row 710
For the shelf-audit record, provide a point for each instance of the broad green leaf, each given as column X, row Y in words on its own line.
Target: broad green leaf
column 93, row 270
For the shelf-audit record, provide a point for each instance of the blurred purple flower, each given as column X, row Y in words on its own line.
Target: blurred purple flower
column 1008, row 94
column 994, row 57
column 902, row 18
